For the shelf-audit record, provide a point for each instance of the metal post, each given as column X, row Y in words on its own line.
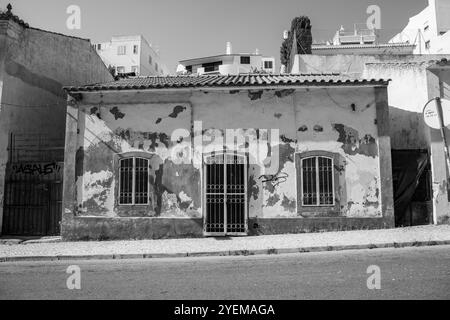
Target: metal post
column 444, row 139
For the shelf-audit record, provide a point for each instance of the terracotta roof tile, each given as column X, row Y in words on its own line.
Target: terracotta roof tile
column 219, row 81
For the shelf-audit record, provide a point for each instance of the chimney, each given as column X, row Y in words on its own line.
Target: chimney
column 256, row 51
column 228, row 47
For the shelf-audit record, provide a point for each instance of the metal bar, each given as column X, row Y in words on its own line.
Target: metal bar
column 225, row 213
column 444, row 139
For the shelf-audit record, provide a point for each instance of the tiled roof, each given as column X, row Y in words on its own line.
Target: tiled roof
column 218, row 81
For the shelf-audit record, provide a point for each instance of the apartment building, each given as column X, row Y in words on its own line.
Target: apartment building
column 131, row 54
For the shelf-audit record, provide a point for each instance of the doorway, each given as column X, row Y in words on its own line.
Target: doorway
column 411, row 175
column 225, row 194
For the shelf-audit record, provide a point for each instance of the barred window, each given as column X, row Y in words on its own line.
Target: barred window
column 133, row 181
column 317, row 181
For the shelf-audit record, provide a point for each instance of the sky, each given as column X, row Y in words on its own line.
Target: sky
column 184, row 29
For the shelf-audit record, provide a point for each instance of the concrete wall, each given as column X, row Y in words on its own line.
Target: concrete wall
column 407, row 90
column 408, row 95
column 350, row 123
column 414, row 81
column 439, row 86
column 34, row 66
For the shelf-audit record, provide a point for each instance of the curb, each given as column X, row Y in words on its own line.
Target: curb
column 270, row 251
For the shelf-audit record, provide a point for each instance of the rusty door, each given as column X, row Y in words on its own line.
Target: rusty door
column 225, row 200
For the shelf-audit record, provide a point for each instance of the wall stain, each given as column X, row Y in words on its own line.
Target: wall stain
column 284, row 93
column 175, row 112
column 288, row 205
column 141, row 137
column 353, row 145
column 255, row 95
column 272, row 200
column 94, row 110
column 117, row 114
column 252, row 189
column 285, row 139
column 318, row 128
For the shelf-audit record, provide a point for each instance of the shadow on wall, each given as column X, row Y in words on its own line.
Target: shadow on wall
column 408, row 130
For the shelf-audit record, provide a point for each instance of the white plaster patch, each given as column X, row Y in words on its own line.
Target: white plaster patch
column 184, row 197
column 92, row 186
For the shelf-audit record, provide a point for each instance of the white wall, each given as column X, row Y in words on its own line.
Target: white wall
column 428, row 26
column 109, row 54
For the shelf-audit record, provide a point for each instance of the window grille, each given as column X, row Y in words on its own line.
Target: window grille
column 317, row 181
column 133, row 181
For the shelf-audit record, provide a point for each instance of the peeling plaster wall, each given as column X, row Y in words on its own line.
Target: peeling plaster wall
column 338, row 120
column 112, row 130
column 351, row 134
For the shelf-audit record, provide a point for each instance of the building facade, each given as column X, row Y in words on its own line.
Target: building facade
column 415, row 79
column 361, row 42
column 228, row 64
column 34, row 66
column 131, row 54
column 429, row 29
column 193, row 156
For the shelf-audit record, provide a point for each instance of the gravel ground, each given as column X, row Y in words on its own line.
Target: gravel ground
column 171, row 246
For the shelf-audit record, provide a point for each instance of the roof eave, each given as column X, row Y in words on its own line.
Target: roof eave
column 316, row 84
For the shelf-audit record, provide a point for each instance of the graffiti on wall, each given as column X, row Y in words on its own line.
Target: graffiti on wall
column 41, row 169
column 275, row 179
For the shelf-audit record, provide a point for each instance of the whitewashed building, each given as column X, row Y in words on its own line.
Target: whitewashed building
column 228, row 63
column 429, row 30
column 131, row 54
column 361, row 41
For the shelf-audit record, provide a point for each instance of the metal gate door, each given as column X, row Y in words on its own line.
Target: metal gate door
column 225, row 200
column 32, row 200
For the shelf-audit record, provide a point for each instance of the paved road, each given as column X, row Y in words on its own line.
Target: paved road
column 409, row 273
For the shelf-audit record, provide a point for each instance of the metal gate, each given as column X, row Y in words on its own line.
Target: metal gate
column 32, row 199
column 225, row 190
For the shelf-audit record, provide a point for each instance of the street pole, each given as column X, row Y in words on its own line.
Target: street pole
column 444, row 139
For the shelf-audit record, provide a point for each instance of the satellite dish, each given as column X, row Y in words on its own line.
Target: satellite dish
column 431, row 115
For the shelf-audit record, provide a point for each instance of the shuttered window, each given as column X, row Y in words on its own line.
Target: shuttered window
column 317, row 181
column 133, row 181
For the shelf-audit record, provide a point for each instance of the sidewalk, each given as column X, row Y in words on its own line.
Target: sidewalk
column 269, row 244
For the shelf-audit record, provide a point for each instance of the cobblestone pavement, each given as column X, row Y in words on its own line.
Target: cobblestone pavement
column 369, row 238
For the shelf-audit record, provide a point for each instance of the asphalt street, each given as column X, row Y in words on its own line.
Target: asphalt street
column 406, row 273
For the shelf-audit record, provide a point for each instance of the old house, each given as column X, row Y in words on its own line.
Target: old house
column 211, row 155
column 34, row 66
